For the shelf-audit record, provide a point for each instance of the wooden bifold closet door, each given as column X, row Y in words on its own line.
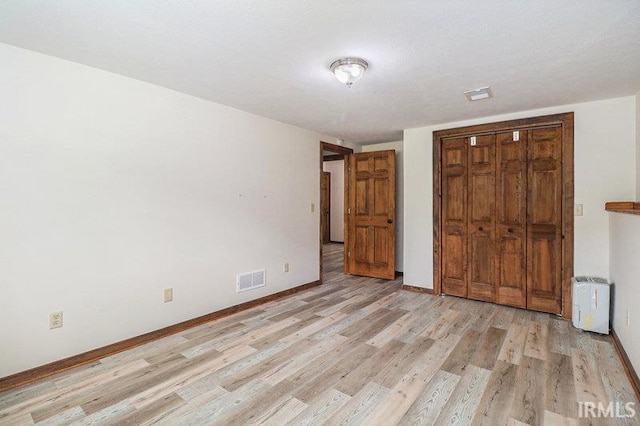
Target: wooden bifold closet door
column 511, row 208
column 454, row 217
column 544, row 227
column 502, row 217
column 481, row 218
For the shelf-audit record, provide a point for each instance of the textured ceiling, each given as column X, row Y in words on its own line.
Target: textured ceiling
column 271, row 57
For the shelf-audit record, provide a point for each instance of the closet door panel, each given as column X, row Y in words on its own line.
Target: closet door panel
column 544, row 231
column 454, row 265
column 511, row 288
column 511, row 193
column 481, row 216
column 454, row 217
column 503, row 220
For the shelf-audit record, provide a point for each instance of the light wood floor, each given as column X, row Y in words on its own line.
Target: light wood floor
column 352, row 351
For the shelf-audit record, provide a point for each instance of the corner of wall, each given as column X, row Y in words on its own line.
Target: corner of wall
column 99, row 170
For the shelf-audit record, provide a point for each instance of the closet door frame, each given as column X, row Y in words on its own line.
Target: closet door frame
column 565, row 120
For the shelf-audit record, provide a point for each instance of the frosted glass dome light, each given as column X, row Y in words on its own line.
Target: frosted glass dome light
column 349, row 70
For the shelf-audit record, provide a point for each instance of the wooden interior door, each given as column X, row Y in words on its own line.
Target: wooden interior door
column 544, row 233
column 454, row 216
column 482, row 218
column 531, row 244
column 325, row 207
column 511, row 217
column 371, row 214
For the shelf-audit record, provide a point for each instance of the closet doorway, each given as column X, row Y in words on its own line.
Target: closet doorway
column 503, row 212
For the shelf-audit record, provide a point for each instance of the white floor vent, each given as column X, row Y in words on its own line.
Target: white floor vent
column 250, row 280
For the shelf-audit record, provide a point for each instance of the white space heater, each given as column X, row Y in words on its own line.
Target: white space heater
column 591, row 296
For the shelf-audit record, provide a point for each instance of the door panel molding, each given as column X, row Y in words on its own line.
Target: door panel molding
column 371, row 215
column 511, row 219
column 563, row 121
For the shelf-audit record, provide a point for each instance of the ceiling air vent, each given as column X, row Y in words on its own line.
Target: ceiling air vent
column 477, row 94
column 250, row 280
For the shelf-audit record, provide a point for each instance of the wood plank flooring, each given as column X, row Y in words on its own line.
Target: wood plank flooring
column 352, row 351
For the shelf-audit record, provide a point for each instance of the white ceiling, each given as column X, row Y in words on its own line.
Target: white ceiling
column 271, row 57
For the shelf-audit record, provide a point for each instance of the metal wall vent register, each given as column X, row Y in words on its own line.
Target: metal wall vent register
column 250, row 280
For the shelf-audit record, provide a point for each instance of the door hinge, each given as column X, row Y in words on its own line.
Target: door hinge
column 473, row 140
column 349, row 210
column 349, row 254
column 516, row 136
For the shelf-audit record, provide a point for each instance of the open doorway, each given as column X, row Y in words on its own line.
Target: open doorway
column 334, row 190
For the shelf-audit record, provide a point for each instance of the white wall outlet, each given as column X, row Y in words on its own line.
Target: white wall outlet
column 313, row 207
column 168, row 295
column 286, row 267
column 578, row 210
column 55, row 320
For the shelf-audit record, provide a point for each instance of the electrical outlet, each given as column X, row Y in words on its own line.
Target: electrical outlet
column 55, row 320
column 578, row 210
column 286, row 267
column 313, row 207
column 168, row 295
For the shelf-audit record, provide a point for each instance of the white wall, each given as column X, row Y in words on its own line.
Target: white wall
column 113, row 189
column 625, row 274
column 604, row 171
column 336, row 168
column 398, row 147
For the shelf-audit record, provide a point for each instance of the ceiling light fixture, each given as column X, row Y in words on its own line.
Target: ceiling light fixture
column 477, row 94
column 349, row 70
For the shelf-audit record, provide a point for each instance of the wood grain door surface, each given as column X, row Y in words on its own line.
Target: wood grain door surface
column 501, row 217
column 481, row 216
column 371, row 214
column 454, row 217
column 544, row 227
column 511, row 220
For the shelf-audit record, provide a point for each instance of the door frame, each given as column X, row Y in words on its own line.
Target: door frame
column 340, row 152
column 327, row 230
column 565, row 120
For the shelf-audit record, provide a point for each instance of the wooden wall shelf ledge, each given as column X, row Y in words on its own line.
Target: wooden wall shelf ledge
column 629, row 207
